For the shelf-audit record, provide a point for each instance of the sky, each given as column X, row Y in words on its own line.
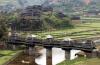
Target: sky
column 35, row 2
column 38, row 2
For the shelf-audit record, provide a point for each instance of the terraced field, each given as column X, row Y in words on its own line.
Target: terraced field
column 85, row 30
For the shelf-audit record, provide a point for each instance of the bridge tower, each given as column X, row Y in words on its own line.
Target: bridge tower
column 67, row 53
column 31, row 47
column 67, row 50
column 49, row 40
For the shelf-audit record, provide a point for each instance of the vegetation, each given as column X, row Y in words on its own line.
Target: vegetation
column 57, row 25
column 56, row 21
column 73, row 62
column 6, row 55
column 82, row 61
column 3, row 28
column 46, row 22
column 80, row 31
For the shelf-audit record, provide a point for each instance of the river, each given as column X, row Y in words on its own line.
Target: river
column 58, row 56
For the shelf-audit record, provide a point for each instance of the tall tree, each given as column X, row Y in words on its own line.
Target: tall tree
column 3, row 29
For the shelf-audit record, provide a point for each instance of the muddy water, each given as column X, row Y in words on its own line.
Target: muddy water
column 58, row 56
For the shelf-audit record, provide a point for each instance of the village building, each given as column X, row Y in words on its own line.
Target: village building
column 61, row 15
column 92, row 13
column 31, row 12
column 75, row 20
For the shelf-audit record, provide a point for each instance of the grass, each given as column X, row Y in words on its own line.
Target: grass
column 82, row 61
column 5, row 55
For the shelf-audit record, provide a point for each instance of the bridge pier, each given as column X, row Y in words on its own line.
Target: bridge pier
column 14, row 47
column 67, row 53
column 88, row 54
column 49, row 40
column 91, row 54
column 31, row 51
column 48, row 55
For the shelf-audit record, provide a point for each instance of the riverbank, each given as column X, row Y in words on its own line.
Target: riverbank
column 6, row 55
column 81, row 61
column 16, row 57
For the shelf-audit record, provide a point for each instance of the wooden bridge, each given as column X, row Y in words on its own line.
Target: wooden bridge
column 88, row 46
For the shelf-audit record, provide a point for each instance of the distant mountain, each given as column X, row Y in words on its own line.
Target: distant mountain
column 74, row 5
column 8, row 5
column 22, row 2
column 58, row 5
column 66, row 5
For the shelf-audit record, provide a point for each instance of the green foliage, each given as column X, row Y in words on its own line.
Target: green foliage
column 55, row 22
column 3, row 28
column 46, row 23
column 80, row 31
column 6, row 55
column 73, row 62
column 82, row 61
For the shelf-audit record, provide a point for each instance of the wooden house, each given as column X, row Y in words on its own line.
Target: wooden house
column 76, row 20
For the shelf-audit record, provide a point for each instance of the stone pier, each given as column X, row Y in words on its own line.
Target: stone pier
column 14, row 47
column 91, row 54
column 48, row 55
column 31, row 51
column 67, row 53
column 49, row 40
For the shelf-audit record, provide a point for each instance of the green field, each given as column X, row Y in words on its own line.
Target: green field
column 5, row 55
column 82, row 61
column 79, row 31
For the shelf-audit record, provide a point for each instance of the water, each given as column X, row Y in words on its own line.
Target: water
column 58, row 56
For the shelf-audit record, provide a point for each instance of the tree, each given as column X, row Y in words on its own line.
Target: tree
column 3, row 29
